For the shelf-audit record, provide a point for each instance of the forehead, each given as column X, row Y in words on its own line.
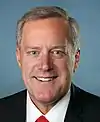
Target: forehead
column 55, row 21
column 46, row 29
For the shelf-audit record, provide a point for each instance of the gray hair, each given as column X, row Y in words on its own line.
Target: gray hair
column 49, row 12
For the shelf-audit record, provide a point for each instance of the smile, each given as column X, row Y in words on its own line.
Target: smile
column 45, row 79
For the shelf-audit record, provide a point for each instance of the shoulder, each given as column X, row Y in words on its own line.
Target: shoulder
column 12, row 99
column 89, row 102
column 13, row 107
column 83, row 105
column 85, row 96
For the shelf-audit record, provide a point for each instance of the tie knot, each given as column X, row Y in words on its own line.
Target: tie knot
column 42, row 119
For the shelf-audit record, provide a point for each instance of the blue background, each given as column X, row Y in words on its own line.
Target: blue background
column 86, row 12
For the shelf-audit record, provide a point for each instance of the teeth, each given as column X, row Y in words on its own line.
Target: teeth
column 44, row 79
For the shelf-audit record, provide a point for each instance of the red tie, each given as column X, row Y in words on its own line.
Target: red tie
column 42, row 119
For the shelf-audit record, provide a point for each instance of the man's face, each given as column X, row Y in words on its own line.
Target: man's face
column 44, row 60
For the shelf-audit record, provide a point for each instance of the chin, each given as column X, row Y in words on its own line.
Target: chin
column 45, row 99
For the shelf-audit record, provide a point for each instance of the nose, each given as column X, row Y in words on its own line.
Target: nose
column 46, row 63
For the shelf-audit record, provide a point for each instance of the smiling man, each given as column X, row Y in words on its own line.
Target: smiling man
column 48, row 54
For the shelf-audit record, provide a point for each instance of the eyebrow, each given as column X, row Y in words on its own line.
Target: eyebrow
column 35, row 47
column 53, row 47
column 59, row 46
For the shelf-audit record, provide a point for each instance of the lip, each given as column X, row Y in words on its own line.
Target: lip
column 45, row 79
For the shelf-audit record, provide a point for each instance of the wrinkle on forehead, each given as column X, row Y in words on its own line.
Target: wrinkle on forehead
column 44, row 31
column 50, row 24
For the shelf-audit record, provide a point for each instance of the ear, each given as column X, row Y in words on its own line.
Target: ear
column 18, row 56
column 77, row 59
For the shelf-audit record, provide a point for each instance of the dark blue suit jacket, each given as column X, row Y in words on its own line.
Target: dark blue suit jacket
column 83, row 107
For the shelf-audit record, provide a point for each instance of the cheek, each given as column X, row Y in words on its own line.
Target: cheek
column 27, row 67
column 64, row 75
column 63, row 66
column 64, row 70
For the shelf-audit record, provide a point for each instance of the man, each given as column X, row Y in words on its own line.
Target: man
column 48, row 53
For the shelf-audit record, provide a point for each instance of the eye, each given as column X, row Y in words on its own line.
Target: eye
column 58, row 53
column 33, row 53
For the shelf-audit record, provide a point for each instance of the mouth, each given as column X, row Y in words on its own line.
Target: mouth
column 45, row 79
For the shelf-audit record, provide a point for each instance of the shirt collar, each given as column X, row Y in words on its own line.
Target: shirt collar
column 53, row 115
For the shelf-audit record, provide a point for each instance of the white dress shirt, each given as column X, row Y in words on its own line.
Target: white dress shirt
column 56, row 114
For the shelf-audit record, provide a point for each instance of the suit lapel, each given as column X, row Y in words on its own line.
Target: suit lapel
column 74, row 111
